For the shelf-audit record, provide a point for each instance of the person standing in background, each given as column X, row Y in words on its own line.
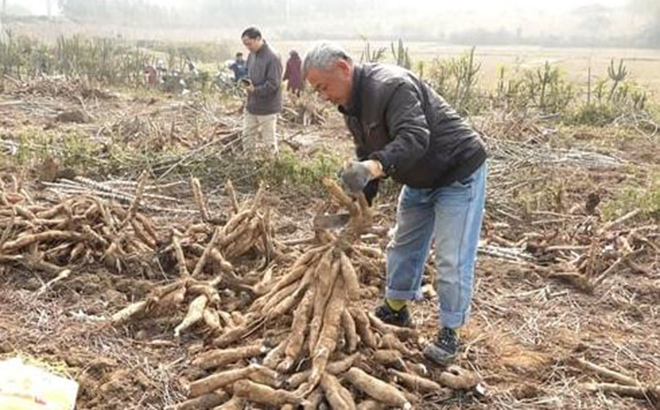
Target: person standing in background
column 264, row 87
column 293, row 73
column 238, row 67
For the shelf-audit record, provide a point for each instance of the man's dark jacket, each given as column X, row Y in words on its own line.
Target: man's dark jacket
column 265, row 71
column 399, row 120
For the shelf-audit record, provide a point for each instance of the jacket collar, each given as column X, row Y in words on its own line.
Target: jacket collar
column 263, row 48
column 353, row 106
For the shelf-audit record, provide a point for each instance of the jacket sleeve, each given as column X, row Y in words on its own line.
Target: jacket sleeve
column 273, row 79
column 408, row 130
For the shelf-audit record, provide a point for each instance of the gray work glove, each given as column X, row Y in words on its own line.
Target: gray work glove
column 355, row 176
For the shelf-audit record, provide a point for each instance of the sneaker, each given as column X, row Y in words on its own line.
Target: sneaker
column 443, row 350
column 387, row 315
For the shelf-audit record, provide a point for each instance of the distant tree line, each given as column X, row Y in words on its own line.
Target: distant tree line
column 206, row 12
column 129, row 12
column 291, row 18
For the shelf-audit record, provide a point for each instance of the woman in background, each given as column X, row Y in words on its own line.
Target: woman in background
column 293, row 73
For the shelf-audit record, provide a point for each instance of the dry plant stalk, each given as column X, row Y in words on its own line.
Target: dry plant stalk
column 624, row 386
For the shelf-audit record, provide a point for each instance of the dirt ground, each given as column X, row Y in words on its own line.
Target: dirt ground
column 528, row 324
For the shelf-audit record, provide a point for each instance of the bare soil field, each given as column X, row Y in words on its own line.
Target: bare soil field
column 169, row 268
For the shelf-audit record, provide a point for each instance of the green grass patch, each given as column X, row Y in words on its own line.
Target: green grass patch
column 289, row 170
column 644, row 195
column 72, row 149
column 599, row 114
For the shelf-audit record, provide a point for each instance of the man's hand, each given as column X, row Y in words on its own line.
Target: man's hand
column 357, row 174
column 246, row 83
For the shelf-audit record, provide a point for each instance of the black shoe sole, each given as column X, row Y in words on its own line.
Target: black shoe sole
column 440, row 356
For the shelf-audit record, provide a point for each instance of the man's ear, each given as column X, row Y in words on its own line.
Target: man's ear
column 344, row 66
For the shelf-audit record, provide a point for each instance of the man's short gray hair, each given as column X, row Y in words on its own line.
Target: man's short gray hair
column 322, row 56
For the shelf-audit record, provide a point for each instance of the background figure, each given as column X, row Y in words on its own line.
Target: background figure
column 152, row 76
column 293, row 73
column 192, row 69
column 239, row 67
column 264, row 87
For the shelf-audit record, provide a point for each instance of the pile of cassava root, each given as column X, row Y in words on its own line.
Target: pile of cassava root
column 309, row 343
column 302, row 339
column 84, row 229
column 79, row 230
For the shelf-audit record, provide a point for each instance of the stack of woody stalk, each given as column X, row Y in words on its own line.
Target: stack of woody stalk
column 247, row 228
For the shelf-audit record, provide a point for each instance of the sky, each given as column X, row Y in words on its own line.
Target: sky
column 39, row 6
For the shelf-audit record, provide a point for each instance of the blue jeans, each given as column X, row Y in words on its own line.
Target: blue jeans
column 450, row 215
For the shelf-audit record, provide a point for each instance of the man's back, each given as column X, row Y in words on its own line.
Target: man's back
column 431, row 146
